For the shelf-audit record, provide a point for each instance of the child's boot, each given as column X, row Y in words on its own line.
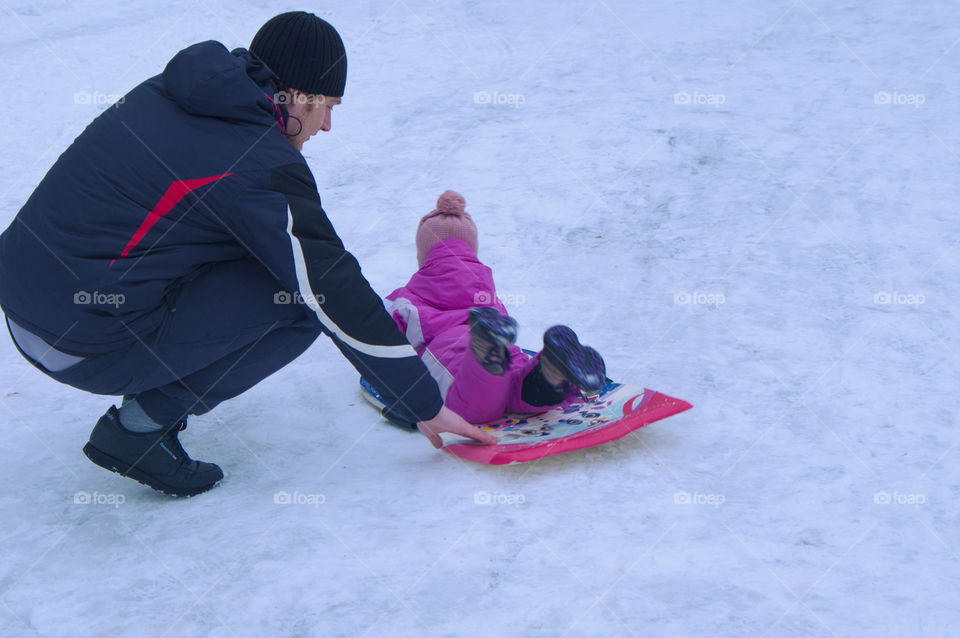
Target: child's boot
column 564, row 360
column 490, row 334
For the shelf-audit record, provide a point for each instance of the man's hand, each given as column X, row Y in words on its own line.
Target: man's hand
column 449, row 421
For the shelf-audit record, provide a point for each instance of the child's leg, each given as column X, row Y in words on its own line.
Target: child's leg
column 531, row 391
column 475, row 394
column 558, row 373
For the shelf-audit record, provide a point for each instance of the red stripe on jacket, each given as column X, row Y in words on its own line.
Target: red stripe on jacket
column 175, row 192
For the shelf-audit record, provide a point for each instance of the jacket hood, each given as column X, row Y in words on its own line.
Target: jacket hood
column 206, row 79
column 453, row 278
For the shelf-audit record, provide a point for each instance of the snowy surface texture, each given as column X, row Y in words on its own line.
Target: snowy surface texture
column 750, row 205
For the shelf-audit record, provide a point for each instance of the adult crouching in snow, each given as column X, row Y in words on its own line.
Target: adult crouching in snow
column 154, row 258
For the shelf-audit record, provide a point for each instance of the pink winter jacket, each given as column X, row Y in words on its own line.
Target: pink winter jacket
column 432, row 311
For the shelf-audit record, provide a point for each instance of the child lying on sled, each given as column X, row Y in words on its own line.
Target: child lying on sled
column 450, row 313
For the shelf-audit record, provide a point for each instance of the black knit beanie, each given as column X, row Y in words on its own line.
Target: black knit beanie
column 304, row 52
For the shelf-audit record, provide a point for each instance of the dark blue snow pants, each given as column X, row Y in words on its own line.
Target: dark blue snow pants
column 224, row 332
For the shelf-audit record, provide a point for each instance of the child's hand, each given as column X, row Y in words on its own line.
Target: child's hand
column 449, row 421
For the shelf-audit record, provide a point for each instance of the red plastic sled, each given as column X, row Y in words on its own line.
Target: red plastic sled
column 612, row 414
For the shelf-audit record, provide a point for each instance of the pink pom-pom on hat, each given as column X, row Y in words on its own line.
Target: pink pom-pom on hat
column 451, row 202
column 448, row 220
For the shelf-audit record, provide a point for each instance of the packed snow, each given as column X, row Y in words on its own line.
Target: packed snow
column 749, row 205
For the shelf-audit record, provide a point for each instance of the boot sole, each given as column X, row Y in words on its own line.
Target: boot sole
column 498, row 330
column 124, row 469
column 493, row 324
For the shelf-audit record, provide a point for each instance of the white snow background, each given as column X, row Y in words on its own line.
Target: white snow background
column 750, row 205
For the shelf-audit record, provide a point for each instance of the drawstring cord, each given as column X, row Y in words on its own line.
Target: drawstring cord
column 277, row 114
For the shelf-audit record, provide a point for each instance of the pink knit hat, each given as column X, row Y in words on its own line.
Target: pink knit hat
column 448, row 220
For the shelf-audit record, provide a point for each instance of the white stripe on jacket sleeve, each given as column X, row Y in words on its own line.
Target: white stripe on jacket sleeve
column 306, row 292
column 411, row 316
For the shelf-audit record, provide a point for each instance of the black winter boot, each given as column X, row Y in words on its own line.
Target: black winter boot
column 490, row 334
column 581, row 366
column 155, row 459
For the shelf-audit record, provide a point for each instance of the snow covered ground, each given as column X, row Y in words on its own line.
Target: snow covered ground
column 750, row 205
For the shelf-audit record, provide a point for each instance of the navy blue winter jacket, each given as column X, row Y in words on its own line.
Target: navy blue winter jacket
column 190, row 169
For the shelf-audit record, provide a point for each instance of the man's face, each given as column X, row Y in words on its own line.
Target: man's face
column 314, row 111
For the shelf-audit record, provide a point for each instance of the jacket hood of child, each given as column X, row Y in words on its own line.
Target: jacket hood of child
column 432, row 309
